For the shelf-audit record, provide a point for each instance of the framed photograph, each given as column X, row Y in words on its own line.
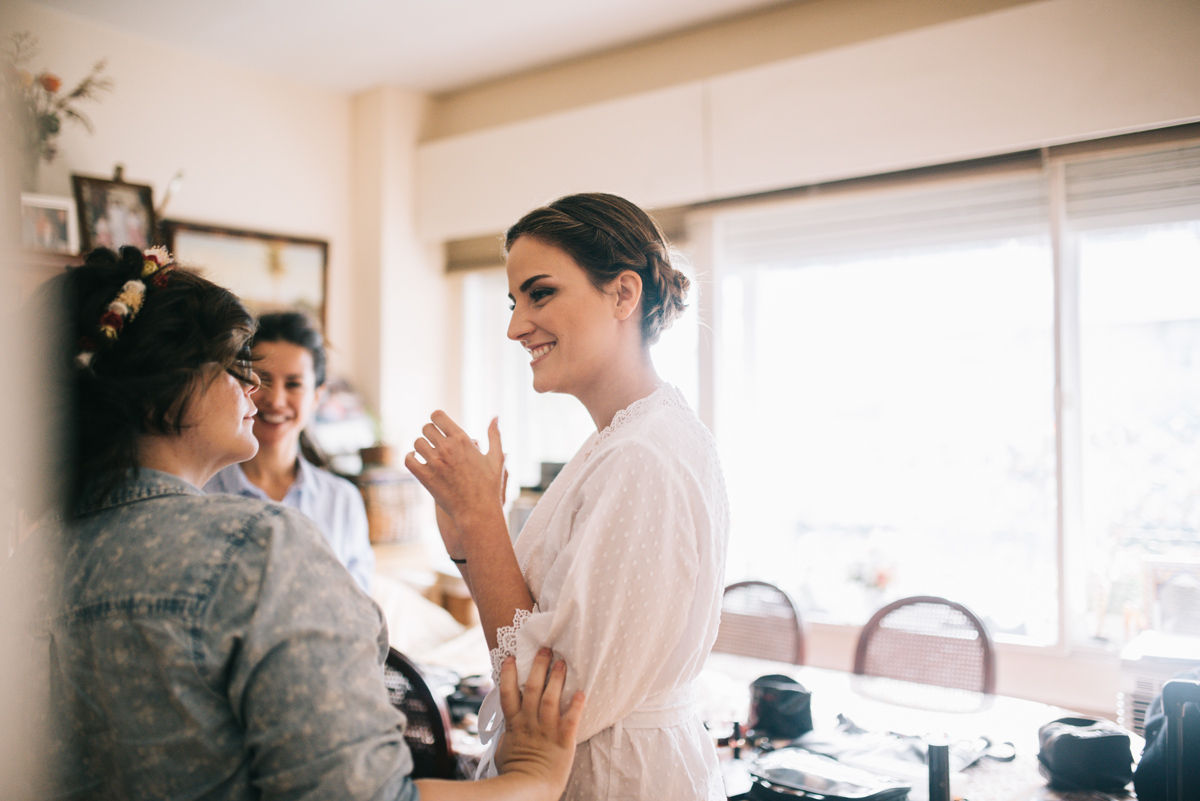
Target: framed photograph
column 48, row 223
column 113, row 213
column 269, row 272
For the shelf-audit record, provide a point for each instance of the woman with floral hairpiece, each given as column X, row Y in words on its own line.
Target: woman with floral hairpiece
column 210, row 646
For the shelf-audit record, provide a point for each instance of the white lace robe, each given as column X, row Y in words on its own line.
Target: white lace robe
column 624, row 557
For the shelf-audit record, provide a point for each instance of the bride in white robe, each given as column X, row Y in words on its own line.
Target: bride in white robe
column 619, row 569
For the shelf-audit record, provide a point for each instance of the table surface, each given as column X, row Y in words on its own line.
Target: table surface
column 888, row 705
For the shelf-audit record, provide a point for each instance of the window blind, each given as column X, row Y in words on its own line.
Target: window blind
column 859, row 224
column 1134, row 189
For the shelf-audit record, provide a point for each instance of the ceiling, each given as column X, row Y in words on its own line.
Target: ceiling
column 429, row 45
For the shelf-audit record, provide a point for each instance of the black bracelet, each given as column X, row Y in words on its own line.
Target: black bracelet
column 458, row 561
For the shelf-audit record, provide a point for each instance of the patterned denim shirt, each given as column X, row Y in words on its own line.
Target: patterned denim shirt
column 212, row 647
column 332, row 502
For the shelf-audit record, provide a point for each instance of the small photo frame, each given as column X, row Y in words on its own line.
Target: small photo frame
column 49, row 224
column 113, row 213
column 269, row 272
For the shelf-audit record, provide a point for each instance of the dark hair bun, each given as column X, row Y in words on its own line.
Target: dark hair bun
column 666, row 299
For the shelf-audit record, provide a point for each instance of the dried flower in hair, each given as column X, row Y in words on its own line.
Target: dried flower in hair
column 157, row 264
column 155, row 258
column 111, row 323
column 132, row 295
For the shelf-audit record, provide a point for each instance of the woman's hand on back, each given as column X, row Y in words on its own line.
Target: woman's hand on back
column 537, row 747
column 538, row 741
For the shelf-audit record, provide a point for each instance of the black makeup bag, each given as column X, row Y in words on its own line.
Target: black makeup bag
column 1085, row 753
column 780, row 708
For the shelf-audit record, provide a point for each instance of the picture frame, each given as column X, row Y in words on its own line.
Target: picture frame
column 113, row 213
column 49, row 224
column 269, row 272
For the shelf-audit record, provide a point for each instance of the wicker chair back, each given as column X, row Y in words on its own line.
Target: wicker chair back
column 928, row 640
column 760, row 620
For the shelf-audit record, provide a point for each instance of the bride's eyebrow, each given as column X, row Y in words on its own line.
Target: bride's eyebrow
column 525, row 286
column 529, row 281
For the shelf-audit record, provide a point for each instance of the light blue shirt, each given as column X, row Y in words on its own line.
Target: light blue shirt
column 207, row 647
column 333, row 503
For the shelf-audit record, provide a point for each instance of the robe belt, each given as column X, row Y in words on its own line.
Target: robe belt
column 671, row 708
column 665, row 709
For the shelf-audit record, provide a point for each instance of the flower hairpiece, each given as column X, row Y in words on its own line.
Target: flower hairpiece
column 154, row 259
column 156, row 265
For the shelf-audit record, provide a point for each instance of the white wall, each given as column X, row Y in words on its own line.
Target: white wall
column 257, row 152
column 649, row 147
column 1035, row 74
column 402, row 344
column 1025, row 77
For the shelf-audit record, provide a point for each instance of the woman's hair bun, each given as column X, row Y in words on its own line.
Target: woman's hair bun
column 668, row 300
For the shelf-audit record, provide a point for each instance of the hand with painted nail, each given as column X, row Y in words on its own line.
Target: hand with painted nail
column 539, row 739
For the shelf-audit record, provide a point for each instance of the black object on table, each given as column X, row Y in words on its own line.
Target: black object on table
column 790, row 773
column 1177, row 695
column 939, row 771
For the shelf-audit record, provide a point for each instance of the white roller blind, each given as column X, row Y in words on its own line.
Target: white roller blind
column 944, row 213
column 1134, row 189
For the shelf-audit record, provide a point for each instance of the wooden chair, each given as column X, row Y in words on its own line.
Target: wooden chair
column 760, row 620
column 427, row 730
column 928, row 640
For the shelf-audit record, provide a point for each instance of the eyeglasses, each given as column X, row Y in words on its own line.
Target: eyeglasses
column 243, row 371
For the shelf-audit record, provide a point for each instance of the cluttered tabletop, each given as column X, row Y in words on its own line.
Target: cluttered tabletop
column 882, row 727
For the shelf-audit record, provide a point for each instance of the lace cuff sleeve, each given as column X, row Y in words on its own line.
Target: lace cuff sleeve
column 506, row 643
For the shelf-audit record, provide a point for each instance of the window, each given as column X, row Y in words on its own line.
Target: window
column 886, row 364
column 1134, row 235
column 885, row 400
column 1140, row 410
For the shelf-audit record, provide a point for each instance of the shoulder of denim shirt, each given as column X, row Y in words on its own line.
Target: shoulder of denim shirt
column 136, row 484
column 145, row 484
